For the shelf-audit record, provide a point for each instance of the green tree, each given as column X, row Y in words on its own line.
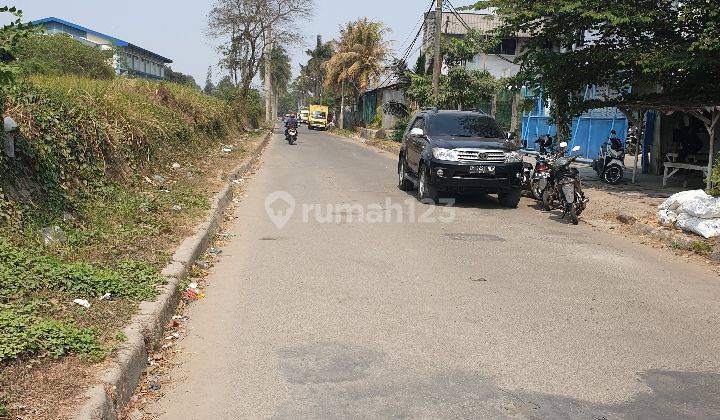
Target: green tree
column 280, row 71
column 180, row 78
column 638, row 43
column 209, row 86
column 359, row 57
column 11, row 35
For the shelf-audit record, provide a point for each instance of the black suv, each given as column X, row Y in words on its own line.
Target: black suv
column 459, row 151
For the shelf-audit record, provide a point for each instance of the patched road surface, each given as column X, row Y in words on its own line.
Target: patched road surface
column 365, row 304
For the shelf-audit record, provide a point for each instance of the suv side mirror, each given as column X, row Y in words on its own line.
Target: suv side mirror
column 417, row 132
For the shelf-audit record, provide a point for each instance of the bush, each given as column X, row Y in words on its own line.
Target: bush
column 24, row 333
column 399, row 128
column 62, row 55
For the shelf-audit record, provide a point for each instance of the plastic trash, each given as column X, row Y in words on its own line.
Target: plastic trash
column 53, row 235
column 227, row 149
column 82, row 302
column 175, row 165
column 177, row 207
column 106, row 296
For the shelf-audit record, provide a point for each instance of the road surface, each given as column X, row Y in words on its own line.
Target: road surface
column 348, row 312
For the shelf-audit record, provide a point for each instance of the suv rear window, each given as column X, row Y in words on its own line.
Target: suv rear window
column 464, row 126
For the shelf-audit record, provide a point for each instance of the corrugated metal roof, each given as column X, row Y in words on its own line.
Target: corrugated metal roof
column 483, row 22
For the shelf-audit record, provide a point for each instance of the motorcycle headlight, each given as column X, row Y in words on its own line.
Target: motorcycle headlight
column 445, row 154
column 513, row 157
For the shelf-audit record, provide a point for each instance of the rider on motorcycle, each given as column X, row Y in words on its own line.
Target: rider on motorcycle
column 292, row 122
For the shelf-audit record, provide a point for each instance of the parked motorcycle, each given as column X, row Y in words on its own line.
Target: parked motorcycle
column 291, row 135
column 563, row 188
column 535, row 177
column 610, row 163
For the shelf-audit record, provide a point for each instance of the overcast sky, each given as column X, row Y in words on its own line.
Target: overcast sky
column 176, row 28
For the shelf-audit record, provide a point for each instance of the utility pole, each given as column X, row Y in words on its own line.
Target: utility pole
column 438, row 57
column 268, row 76
column 341, row 121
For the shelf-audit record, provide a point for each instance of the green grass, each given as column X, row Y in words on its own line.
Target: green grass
column 701, row 247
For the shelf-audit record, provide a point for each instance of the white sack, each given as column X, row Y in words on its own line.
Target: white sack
column 667, row 217
column 677, row 200
column 707, row 228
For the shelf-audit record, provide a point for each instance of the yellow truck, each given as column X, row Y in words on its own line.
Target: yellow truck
column 318, row 118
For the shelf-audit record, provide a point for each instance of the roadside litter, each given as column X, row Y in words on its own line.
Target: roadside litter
column 106, row 296
column 192, row 292
column 82, row 302
column 53, row 235
column 692, row 211
column 214, row 251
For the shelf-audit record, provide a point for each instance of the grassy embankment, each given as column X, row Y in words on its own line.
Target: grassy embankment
column 120, row 169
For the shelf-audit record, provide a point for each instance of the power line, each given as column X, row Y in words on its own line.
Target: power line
column 411, row 48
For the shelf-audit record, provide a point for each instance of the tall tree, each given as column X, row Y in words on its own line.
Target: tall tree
column 209, row 86
column 243, row 25
column 280, row 74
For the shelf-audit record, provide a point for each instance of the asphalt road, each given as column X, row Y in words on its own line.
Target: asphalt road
column 348, row 312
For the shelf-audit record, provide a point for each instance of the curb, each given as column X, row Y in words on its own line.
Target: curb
column 118, row 382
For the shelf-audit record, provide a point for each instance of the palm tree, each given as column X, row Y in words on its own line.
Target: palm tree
column 358, row 59
column 280, row 73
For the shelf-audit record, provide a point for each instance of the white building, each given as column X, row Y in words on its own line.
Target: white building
column 127, row 59
column 499, row 63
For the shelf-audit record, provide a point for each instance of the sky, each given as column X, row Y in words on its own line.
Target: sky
column 176, row 29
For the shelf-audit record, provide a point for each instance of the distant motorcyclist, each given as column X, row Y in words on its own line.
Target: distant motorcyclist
column 292, row 122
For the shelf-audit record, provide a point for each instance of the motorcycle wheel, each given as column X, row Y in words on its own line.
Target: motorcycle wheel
column 579, row 203
column 547, row 199
column 572, row 212
column 613, row 175
column 535, row 190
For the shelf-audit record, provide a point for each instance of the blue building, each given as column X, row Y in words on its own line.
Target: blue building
column 127, row 58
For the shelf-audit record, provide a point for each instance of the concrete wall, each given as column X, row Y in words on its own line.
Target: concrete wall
column 388, row 121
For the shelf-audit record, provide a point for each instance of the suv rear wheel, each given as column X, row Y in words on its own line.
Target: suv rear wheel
column 403, row 183
column 510, row 198
column 425, row 190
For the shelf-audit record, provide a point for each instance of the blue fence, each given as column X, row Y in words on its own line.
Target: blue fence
column 589, row 131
